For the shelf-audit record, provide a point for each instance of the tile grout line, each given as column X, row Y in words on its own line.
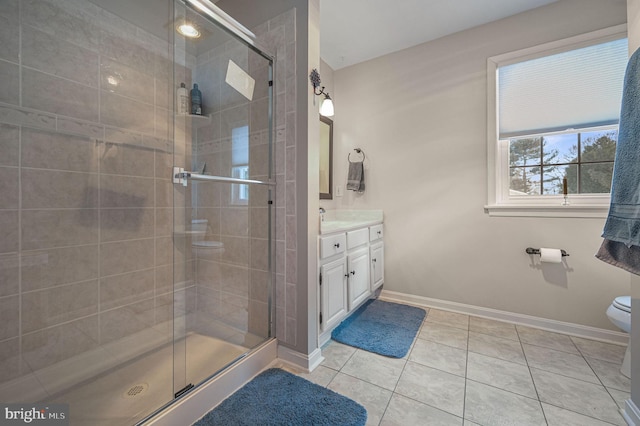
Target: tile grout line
column 533, row 382
column 20, row 238
column 393, row 392
column 597, row 376
column 466, row 372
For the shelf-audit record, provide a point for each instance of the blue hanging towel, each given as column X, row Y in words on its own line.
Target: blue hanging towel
column 621, row 246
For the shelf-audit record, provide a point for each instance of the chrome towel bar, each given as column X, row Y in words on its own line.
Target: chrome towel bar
column 182, row 177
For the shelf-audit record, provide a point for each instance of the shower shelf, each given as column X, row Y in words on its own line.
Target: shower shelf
column 188, row 233
column 195, row 120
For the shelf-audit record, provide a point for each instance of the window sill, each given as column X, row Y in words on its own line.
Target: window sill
column 548, row 210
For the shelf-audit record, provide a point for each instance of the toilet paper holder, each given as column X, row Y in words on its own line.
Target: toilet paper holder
column 531, row 250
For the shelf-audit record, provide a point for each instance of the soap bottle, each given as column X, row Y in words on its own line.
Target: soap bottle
column 183, row 99
column 196, row 100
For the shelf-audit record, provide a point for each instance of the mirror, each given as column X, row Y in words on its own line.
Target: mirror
column 326, row 158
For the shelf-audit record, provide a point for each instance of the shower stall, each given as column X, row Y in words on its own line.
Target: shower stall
column 136, row 240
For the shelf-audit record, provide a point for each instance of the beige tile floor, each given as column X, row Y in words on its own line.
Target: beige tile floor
column 465, row 370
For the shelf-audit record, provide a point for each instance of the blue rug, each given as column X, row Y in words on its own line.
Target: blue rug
column 276, row 397
column 381, row 327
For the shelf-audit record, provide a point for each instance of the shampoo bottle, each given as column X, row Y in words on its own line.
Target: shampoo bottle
column 182, row 99
column 196, row 100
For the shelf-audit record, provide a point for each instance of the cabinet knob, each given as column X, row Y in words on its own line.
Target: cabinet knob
column 346, row 275
column 379, row 232
column 337, row 245
column 353, row 272
column 373, row 260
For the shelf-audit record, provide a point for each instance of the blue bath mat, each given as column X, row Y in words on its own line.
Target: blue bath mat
column 381, row 327
column 276, row 397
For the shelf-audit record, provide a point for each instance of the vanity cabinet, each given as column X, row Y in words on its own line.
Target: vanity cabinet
column 333, row 293
column 351, row 268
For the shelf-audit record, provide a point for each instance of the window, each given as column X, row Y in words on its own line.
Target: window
column 240, row 192
column 553, row 118
column 539, row 165
column 240, row 164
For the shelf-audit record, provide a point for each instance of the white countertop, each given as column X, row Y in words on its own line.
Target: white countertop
column 346, row 220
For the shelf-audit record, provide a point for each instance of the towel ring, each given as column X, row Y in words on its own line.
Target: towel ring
column 359, row 151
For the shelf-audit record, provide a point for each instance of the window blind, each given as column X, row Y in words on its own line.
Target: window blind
column 570, row 90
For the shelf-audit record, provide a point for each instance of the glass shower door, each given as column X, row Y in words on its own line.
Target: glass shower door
column 223, row 196
column 118, row 287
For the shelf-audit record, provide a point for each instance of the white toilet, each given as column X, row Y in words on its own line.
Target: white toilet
column 619, row 312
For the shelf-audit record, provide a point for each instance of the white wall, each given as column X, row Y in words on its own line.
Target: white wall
column 420, row 116
column 326, row 75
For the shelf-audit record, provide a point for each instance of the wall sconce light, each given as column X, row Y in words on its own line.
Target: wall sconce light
column 326, row 107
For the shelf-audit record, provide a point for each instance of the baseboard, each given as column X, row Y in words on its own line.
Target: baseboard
column 204, row 398
column 305, row 362
column 324, row 338
column 631, row 413
column 577, row 330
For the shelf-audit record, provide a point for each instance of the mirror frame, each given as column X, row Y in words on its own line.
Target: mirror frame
column 329, row 122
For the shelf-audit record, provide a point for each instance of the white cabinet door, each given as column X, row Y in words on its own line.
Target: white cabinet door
column 333, row 290
column 358, row 267
column 377, row 265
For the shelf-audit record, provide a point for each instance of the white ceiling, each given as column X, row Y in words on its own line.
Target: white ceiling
column 353, row 31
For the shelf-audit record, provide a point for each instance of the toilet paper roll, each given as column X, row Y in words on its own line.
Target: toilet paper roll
column 550, row 255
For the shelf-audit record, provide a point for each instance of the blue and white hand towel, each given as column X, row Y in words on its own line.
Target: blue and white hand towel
column 621, row 246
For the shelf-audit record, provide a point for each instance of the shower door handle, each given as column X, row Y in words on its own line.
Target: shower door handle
column 182, row 177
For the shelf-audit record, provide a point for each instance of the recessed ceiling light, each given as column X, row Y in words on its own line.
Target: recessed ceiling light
column 188, row 30
column 113, row 80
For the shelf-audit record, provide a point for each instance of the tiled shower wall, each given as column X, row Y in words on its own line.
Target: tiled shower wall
column 85, row 194
column 278, row 35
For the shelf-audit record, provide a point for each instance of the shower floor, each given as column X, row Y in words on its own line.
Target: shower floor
column 132, row 391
